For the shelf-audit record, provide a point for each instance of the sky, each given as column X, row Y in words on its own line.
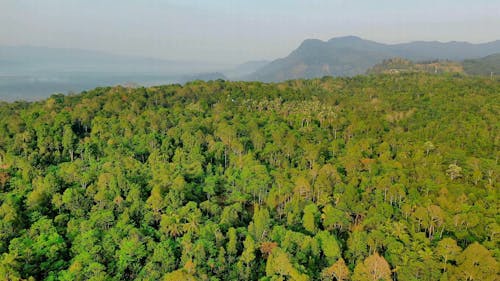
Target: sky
column 235, row 31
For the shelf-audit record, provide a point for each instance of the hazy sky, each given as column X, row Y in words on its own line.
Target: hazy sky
column 238, row 30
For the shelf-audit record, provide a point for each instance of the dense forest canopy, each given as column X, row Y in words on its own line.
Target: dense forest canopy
column 390, row 177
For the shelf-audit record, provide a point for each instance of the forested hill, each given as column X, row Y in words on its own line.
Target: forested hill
column 489, row 65
column 391, row 177
column 400, row 65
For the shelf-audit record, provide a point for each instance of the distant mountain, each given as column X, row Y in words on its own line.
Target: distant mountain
column 483, row 66
column 316, row 58
column 351, row 55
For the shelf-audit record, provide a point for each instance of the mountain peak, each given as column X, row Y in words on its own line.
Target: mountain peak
column 311, row 42
column 343, row 40
column 349, row 38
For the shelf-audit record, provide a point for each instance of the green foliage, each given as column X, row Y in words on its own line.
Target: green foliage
column 364, row 178
column 279, row 266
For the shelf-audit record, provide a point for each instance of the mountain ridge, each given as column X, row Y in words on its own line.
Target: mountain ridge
column 353, row 55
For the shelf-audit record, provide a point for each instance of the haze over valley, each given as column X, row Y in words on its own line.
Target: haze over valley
column 32, row 73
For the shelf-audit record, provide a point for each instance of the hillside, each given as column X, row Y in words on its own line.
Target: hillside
column 389, row 177
column 483, row 66
column 348, row 56
column 400, row 65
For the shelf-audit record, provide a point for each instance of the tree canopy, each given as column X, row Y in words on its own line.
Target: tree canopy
column 387, row 177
